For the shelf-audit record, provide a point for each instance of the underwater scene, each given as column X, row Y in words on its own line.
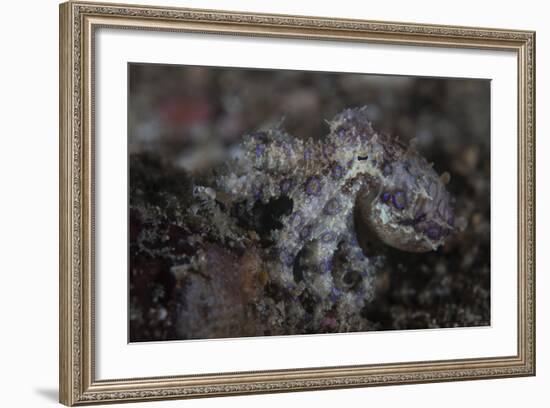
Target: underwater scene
column 279, row 202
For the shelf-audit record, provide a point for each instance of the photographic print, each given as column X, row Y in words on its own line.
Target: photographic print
column 314, row 184
column 277, row 202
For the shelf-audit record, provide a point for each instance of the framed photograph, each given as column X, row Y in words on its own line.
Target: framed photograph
column 256, row 203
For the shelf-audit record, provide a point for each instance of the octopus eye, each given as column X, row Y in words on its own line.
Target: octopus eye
column 361, row 158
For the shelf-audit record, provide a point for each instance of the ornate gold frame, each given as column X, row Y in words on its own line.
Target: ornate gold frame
column 78, row 22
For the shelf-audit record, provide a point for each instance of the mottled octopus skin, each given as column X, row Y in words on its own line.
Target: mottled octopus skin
column 397, row 193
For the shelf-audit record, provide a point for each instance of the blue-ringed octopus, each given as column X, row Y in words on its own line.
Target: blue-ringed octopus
column 321, row 189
